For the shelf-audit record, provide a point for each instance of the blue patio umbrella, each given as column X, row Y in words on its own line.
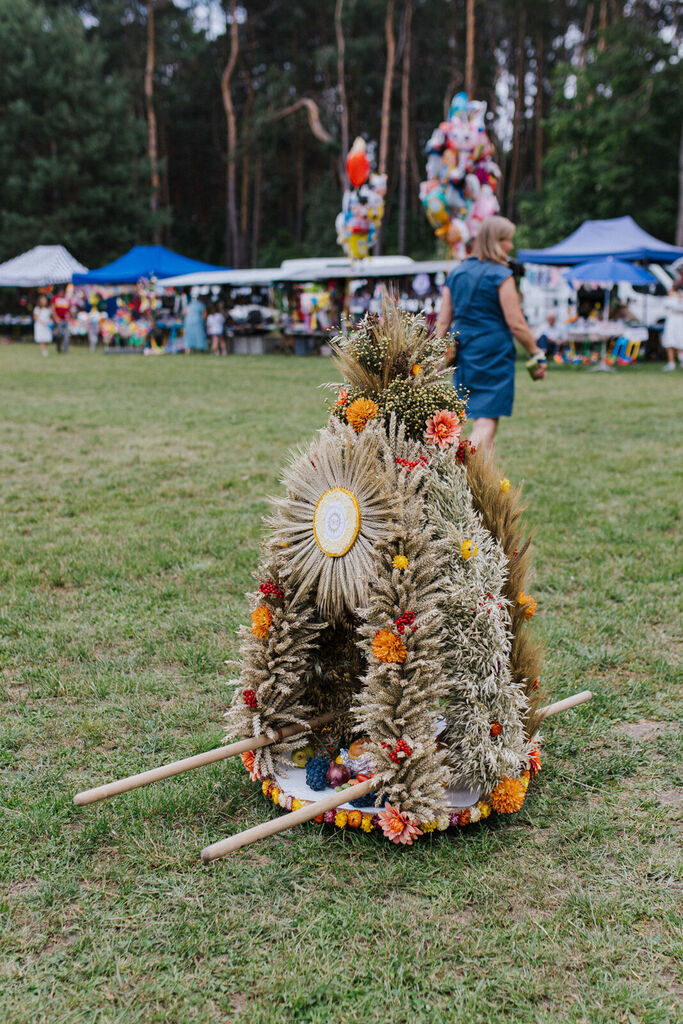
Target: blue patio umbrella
column 609, row 271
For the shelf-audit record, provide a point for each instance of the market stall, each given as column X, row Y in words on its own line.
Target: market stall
column 626, row 338
column 138, row 323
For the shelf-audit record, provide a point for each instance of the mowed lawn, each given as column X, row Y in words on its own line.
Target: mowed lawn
column 132, row 492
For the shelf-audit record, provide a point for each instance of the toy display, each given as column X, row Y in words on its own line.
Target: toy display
column 389, row 679
column 462, row 176
column 362, row 205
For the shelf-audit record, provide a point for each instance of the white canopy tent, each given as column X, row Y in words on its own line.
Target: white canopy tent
column 305, row 270
column 41, row 266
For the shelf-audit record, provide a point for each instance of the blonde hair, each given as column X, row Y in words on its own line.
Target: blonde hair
column 492, row 232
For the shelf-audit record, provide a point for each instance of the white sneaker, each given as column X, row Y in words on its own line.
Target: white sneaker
column 668, row 368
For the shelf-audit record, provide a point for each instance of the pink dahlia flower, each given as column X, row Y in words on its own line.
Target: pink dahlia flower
column 443, row 429
column 397, row 826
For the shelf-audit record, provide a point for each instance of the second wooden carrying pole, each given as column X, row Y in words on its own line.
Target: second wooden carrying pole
column 164, row 771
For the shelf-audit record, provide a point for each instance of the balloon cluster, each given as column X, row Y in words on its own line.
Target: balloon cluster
column 362, row 205
column 462, row 176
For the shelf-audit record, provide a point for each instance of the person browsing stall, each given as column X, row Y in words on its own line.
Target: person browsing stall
column 480, row 302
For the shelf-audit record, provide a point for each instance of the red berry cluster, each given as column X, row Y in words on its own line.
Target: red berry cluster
column 400, row 751
column 404, row 620
column 464, row 449
column 250, row 698
column 496, row 728
column 270, row 589
column 411, row 464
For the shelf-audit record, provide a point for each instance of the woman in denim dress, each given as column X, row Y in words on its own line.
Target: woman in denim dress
column 480, row 301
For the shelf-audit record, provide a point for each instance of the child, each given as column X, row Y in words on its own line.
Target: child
column 42, row 324
column 215, row 322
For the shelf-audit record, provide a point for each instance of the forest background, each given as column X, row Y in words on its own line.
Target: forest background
column 220, row 129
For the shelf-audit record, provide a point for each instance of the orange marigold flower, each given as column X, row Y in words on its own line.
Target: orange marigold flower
column 360, row 411
column 397, row 826
column 508, row 796
column 527, row 603
column 443, row 429
column 388, row 647
column 354, row 819
column 260, row 621
column 415, row 369
column 341, row 398
column 464, row 817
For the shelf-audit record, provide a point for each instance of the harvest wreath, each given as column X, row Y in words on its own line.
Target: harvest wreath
column 389, row 659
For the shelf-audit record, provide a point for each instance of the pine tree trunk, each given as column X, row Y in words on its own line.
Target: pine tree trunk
column 341, row 83
column 232, row 246
column 386, row 102
column 386, row 91
column 515, row 164
column 299, row 171
column 258, row 199
column 602, row 26
column 405, row 128
column 469, row 50
column 586, row 34
column 538, row 113
column 152, row 144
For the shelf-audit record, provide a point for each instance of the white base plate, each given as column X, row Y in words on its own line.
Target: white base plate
column 294, row 784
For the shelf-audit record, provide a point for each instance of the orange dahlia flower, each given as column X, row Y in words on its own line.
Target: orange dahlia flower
column 508, row 796
column 260, row 621
column 360, row 412
column 527, row 603
column 443, row 429
column 534, row 762
column 249, row 762
column 388, row 647
column 397, row 826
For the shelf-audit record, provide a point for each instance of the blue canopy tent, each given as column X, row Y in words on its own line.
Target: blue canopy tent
column 143, row 261
column 597, row 239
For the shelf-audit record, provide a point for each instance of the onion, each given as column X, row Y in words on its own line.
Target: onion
column 337, row 774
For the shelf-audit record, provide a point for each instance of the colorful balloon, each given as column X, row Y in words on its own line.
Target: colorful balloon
column 362, row 205
column 462, row 177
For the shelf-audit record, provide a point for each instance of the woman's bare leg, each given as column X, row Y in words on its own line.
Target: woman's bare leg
column 483, row 431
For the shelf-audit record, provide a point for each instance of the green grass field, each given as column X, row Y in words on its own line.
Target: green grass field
column 132, row 494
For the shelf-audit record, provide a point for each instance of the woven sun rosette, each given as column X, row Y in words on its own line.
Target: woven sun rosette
column 392, row 592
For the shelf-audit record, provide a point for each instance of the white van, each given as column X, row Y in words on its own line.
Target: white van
column 646, row 301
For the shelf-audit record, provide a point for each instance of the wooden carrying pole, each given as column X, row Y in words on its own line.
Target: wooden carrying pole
column 281, row 824
column 564, row 705
column 285, row 821
column 164, row 771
